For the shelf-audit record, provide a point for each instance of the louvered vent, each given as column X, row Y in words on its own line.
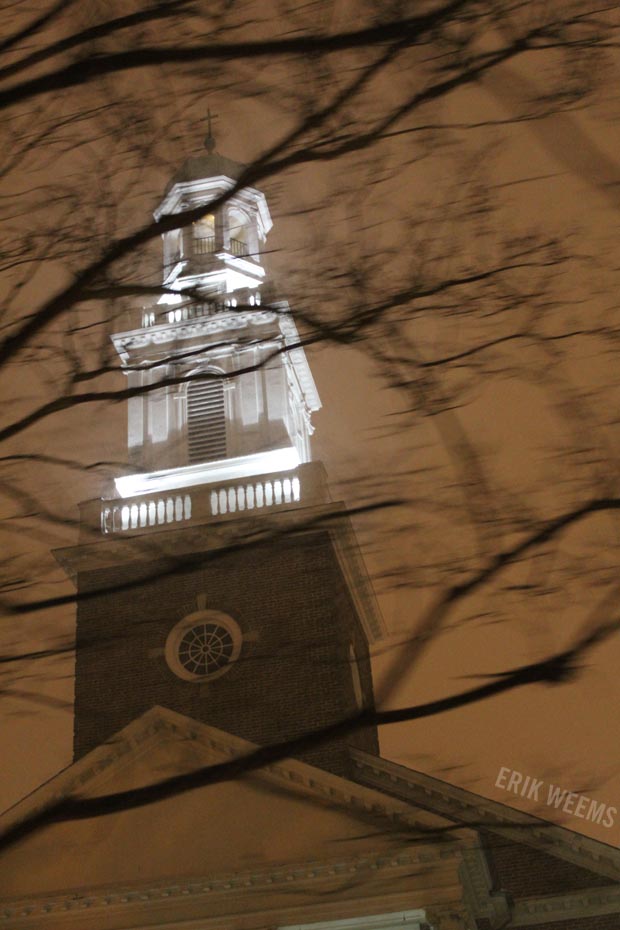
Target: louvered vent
column 206, row 421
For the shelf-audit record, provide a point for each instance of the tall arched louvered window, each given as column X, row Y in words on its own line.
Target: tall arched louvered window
column 206, row 421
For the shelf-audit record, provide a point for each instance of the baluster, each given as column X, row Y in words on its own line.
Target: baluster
column 133, row 512
column 188, row 507
column 178, row 509
column 249, row 497
column 169, row 510
column 268, row 494
column 161, row 511
column 152, row 513
column 223, row 501
column 296, row 489
column 286, row 488
column 142, row 514
column 232, row 500
column 241, row 497
column 214, row 503
column 277, row 492
column 260, row 495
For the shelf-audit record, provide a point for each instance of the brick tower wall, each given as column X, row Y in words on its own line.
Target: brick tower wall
column 296, row 614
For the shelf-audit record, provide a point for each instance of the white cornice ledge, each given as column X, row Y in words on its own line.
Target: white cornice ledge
column 165, row 333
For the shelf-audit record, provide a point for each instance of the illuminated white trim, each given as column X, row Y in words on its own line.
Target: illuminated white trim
column 231, row 275
column 260, row 463
column 170, row 299
column 236, row 280
column 394, row 921
column 208, row 189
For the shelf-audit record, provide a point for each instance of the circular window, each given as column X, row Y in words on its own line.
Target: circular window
column 203, row 645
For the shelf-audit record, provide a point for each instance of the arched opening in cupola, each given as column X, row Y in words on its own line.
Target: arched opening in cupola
column 204, row 235
column 239, row 232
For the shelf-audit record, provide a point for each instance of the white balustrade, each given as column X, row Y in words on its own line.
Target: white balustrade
column 196, row 309
column 255, row 495
column 158, row 510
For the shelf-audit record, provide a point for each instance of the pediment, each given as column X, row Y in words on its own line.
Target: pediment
column 277, row 846
column 288, row 814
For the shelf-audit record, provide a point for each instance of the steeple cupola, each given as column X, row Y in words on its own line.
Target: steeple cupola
column 220, row 252
column 236, row 392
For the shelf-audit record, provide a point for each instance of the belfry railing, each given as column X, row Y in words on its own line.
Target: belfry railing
column 249, row 297
column 203, row 245
column 237, row 247
column 206, row 503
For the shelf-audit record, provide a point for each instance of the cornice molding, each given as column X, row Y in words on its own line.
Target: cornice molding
column 293, row 877
column 590, row 902
column 298, row 356
column 470, row 809
column 204, row 328
column 530, row 912
column 201, row 327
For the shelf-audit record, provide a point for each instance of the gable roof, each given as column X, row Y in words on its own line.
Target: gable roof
column 283, row 845
column 280, row 833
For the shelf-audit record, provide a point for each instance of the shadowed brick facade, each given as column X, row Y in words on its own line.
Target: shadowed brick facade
column 294, row 673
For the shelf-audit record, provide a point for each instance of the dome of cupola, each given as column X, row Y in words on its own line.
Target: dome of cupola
column 210, row 165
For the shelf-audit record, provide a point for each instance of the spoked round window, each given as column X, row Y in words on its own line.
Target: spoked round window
column 204, row 645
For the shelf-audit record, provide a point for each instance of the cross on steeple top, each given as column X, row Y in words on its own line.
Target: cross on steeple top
column 210, row 138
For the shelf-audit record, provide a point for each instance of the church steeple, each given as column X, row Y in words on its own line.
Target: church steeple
column 267, row 640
